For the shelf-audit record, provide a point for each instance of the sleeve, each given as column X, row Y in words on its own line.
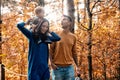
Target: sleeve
column 25, row 31
column 52, row 50
column 74, row 46
column 54, row 37
column 74, row 51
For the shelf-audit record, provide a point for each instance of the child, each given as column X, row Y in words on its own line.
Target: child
column 38, row 49
column 39, row 15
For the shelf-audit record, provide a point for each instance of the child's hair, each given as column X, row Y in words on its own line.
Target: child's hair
column 38, row 9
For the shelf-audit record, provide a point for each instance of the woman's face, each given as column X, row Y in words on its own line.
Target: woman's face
column 44, row 27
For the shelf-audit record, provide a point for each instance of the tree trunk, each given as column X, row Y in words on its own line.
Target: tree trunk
column 119, row 52
column 119, row 4
column 118, row 66
column 0, row 37
column 104, row 67
column 69, row 10
column 89, row 31
column 0, row 46
column 84, row 11
column 41, row 2
column 78, row 15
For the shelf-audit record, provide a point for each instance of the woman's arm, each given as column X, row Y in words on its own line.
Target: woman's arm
column 51, row 54
column 25, row 31
column 54, row 37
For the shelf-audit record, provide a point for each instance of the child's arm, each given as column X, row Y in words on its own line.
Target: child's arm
column 54, row 37
column 25, row 31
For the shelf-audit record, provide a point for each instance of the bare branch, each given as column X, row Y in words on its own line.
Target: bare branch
column 88, row 7
column 115, row 1
column 94, row 5
column 83, row 27
column 95, row 13
column 95, row 27
column 115, row 51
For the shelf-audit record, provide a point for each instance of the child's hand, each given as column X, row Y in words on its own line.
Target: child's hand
column 29, row 21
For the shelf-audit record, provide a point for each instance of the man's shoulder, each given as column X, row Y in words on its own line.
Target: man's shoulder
column 59, row 32
column 72, row 34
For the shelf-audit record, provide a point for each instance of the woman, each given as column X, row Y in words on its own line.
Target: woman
column 38, row 49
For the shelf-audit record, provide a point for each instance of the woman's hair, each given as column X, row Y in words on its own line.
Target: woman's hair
column 38, row 24
column 35, row 20
column 38, row 10
column 37, row 31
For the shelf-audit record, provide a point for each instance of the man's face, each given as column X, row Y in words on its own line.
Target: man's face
column 65, row 22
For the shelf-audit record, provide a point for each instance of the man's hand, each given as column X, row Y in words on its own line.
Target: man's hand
column 77, row 70
column 53, row 66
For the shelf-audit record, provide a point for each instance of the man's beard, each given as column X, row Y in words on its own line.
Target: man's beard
column 64, row 27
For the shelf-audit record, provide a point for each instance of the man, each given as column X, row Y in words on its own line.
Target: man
column 63, row 53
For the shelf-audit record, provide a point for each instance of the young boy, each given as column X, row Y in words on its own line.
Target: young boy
column 39, row 15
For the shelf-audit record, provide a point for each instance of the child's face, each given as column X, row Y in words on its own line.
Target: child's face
column 40, row 14
column 44, row 27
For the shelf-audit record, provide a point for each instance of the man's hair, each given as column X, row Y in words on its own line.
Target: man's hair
column 70, row 19
column 38, row 9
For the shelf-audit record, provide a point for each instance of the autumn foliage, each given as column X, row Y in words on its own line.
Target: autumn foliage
column 105, row 41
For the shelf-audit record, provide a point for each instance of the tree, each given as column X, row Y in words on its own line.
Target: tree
column 0, row 36
column 93, row 13
column 40, row 2
column 0, row 43
column 119, row 4
column 105, row 39
column 69, row 10
column 119, row 51
column 14, row 47
column 89, row 30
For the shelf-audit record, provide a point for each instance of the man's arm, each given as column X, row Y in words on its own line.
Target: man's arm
column 75, row 55
column 76, row 60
